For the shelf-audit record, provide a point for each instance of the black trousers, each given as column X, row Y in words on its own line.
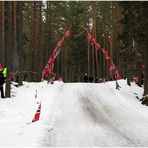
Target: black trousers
column 2, row 91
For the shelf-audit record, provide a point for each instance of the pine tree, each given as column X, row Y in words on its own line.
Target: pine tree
column 20, row 38
column 2, row 33
column 9, row 49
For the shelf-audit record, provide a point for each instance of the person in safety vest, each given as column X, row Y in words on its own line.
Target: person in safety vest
column 2, row 81
column 5, row 71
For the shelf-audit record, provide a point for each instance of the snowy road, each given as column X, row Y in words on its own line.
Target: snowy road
column 74, row 114
column 96, row 115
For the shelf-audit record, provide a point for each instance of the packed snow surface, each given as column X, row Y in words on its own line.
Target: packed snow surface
column 74, row 114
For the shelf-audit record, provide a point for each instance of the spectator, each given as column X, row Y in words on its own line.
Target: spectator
column 86, row 77
column 60, row 79
column 2, row 81
column 91, row 79
column 117, row 85
column 96, row 79
column 4, row 71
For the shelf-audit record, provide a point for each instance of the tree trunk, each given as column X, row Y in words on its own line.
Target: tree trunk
column 95, row 36
column 111, row 45
column 0, row 30
column 62, row 72
column 20, row 47
column 48, row 32
column 2, row 37
column 88, row 59
column 144, row 99
column 129, row 79
column 40, row 38
column 8, row 51
column 79, row 65
column 36, row 42
column 93, row 62
column 30, row 50
column 64, row 63
column 58, row 64
column 107, row 61
column 145, row 93
column 146, row 72
column 15, row 59
column 103, row 62
column 35, row 50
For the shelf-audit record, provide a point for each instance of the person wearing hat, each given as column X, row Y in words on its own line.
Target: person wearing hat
column 86, row 77
column 2, row 81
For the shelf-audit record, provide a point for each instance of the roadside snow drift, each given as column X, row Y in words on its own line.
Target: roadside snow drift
column 74, row 114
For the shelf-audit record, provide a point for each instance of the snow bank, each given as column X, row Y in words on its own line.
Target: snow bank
column 74, row 114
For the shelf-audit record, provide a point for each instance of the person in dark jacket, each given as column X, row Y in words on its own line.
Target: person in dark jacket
column 117, row 85
column 2, row 81
column 91, row 79
column 86, row 77
column 97, row 79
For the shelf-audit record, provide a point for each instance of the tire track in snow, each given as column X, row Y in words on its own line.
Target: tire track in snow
column 100, row 116
column 47, row 134
column 97, row 117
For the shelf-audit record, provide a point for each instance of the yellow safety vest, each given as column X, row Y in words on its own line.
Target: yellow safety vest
column 5, row 72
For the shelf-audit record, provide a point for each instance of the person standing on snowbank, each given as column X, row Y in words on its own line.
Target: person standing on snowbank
column 91, row 79
column 2, row 80
column 117, row 85
column 5, row 71
column 86, row 78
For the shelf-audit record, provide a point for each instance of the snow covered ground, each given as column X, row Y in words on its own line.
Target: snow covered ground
column 74, row 114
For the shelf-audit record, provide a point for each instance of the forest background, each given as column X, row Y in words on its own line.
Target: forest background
column 30, row 30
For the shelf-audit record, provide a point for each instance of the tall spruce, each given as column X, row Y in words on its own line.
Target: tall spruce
column 2, row 33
